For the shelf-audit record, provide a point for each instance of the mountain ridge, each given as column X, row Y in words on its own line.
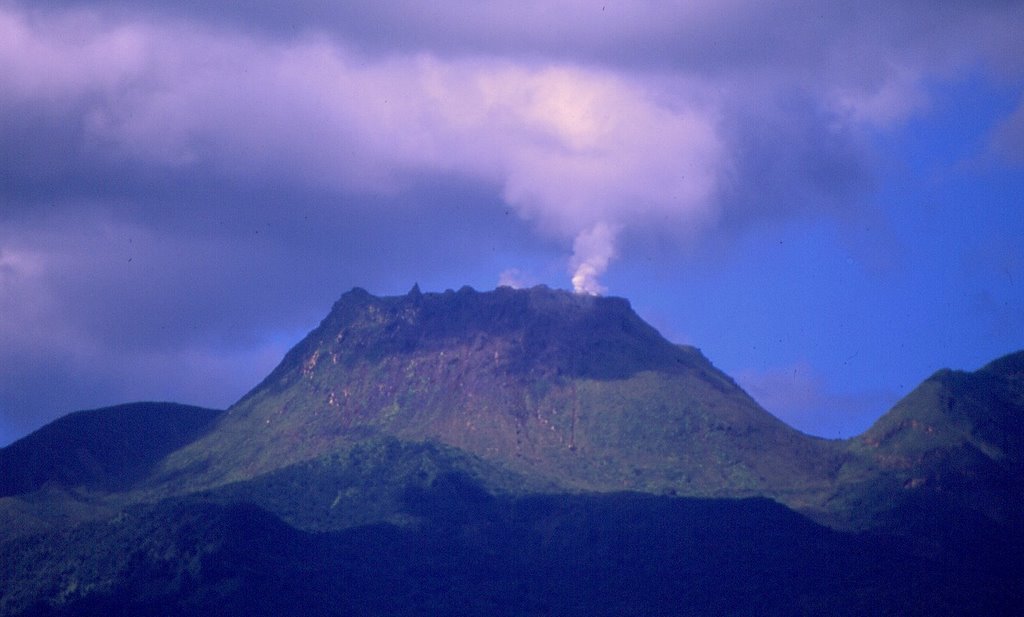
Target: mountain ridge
column 474, row 450
column 500, row 376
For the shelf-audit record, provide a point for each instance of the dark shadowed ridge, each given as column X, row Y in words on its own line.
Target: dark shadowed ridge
column 474, row 554
column 107, row 448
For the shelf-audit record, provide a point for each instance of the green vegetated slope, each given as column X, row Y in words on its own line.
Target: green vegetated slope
column 469, row 450
column 952, row 448
column 576, row 390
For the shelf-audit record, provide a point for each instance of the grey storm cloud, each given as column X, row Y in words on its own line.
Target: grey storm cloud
column 181, row 175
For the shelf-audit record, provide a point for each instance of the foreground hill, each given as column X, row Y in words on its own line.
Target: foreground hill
column 471, row 553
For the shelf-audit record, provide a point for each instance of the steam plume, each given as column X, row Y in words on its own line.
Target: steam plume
column 592, row 250
column 513, row 278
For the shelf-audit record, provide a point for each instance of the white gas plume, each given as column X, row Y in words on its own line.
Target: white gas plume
column 514, row 278
column 592, row 250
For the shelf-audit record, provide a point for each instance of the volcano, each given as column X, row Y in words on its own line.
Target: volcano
column 518, row 451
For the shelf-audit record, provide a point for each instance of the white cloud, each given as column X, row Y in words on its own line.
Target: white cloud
column 572, row 147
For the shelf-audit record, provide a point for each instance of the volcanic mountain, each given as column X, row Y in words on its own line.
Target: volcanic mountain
column 516, row 452
column 572, row 390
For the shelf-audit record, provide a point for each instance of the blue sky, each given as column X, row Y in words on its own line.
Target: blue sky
column 824, row 197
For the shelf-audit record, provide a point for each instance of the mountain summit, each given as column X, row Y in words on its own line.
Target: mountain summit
column 575, row 389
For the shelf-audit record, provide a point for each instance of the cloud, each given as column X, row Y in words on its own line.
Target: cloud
column 180, row 175
column 571, row 147
column 572, row 139
column 567, row 143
